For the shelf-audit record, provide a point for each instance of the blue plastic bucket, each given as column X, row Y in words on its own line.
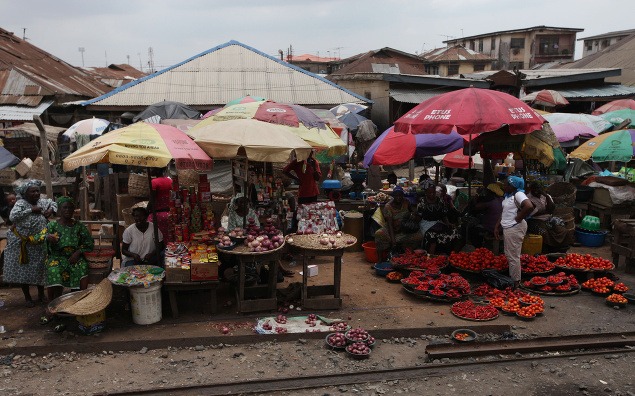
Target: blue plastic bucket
column 590, row 238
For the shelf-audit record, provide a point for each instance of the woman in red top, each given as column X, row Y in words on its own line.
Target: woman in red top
column 307, row 174
column 161, row 185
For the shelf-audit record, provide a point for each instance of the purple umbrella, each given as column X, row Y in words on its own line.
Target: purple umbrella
column 394, row 148
column 569, row 133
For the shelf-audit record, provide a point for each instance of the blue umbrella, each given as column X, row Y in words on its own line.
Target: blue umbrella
column 395, row 148
column 351, row 120
column 7, row 159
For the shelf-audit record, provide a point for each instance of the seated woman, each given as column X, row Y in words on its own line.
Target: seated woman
column 393, row 234
column 67, row 241
column 437, row 231
column 540, row 222
column 139, row 246
column 484, row 213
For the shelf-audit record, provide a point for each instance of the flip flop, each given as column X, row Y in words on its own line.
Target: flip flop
column 59, row 328
column 44, row 320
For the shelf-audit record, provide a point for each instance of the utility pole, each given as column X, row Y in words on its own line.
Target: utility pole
column 128, row 58
column 106, row 56
column 24, row 34
column 151, row 59
column 81, row 50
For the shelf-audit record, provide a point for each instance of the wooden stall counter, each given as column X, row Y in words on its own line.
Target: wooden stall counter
column 321, row 296
column 259, row 297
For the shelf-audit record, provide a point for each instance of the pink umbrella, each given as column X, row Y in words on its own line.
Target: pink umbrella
column 569, row 133
column 615, row 105
column 546, row 97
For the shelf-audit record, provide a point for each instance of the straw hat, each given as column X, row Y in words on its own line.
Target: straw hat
column 496, row 189
column 94, row 301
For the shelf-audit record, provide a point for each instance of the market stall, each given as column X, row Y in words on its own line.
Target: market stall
column 321, row 245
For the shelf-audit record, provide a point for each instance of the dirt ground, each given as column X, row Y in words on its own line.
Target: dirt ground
column 368, row 301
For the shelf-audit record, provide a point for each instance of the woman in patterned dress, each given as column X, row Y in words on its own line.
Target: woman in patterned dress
column 25, row 254
column 437, row 231
column 395, row 213
column 68, row 240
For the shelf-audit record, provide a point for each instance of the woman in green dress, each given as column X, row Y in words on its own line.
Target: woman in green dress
column 68, row 240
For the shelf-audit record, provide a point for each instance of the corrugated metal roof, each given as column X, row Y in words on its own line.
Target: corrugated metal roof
column 415, row 95
column 367, row 63
column 457, row 52
column 227, row 72
column 30, row 128
column 23, row 113
column 617, row 33
column 607, row 91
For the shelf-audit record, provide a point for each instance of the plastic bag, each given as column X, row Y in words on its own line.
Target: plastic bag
column 497, row 280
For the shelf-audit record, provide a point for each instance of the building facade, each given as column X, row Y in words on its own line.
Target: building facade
column 595, row 44
column 523, row 48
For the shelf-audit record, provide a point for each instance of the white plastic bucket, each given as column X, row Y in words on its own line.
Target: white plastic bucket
column 145, row 304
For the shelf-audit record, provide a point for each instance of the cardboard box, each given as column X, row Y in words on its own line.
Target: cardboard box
column 204, row 272
column 177, row 275
column 7, row 176
column 601, row 196
column 312, row 270
column 24, row 167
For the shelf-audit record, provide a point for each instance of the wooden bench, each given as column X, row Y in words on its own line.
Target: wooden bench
column 609, row 213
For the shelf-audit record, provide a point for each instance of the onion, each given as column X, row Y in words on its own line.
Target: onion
column 259, row 238
column 332, row 240
column 276, row 245
column 339, row 234
column 250, row 237
column 258, row 249
column 290, row 240
column 324, row 241
column 325, row 235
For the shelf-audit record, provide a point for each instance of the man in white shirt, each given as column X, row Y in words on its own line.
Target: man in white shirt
column 139, row 246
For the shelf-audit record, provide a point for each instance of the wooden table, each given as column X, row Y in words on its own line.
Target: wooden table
column 320, row 296
column 174, row 287
column 259, row 297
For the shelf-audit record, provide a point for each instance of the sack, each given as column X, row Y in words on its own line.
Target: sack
column 410, row 225
column 497, row 280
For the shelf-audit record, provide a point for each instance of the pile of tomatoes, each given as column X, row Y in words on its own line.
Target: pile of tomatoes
column 478, row 260
column 452, row 286
column 604, row 285
column 394, row 276
column 421, row 261
column 469, row 310
column 584, row 262
column 535, row 264
column 558, row 283
column 616, row 298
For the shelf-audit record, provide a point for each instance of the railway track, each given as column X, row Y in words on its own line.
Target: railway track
column 544, row 348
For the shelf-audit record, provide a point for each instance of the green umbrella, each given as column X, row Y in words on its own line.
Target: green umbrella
column 618, row 116
column 610, row 146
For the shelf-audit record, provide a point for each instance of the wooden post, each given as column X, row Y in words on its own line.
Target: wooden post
column 411, row 170
column 45, row 156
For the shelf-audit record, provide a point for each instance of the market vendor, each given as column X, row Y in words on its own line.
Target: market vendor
column 483, row 214
column 139, row 246
column 542, row 222
column 307, row 173
column 161, row 186
column 67, row 241
column 397, row 214
column 512, row 226
column 437, row 231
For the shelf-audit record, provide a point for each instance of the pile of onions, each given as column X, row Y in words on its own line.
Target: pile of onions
column 263, row 243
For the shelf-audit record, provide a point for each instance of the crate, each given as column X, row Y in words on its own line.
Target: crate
column 177, row 275
column 203, row 272
column 7, row 176
column 24, row 167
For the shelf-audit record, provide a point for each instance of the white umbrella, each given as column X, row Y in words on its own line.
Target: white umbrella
column 86, row 129
column 598, row 124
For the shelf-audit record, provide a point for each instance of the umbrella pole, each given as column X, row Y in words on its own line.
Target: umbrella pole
column 469, row 169
column 154, row 215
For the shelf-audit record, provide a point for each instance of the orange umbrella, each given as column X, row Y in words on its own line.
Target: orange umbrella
column 546, row 97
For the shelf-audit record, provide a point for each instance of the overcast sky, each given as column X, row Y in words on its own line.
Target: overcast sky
column 113, row 31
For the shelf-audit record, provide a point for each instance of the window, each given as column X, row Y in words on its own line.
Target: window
column 493, row 44
column 605, row 43
column 480, row 45
column 548, row 45
column 472, row 43
column 453, row 69
column 517, row 43
column 432, row 69
column 589, row 47
column 479, row 67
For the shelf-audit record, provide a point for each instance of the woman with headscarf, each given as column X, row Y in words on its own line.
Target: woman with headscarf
column 25, row 254
column 542, row 222
column 68, row 240
column 512, row 226
column 436, row 229
column 396, row 213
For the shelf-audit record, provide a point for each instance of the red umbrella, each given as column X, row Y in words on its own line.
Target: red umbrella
column 615, row 105
column 470, row 111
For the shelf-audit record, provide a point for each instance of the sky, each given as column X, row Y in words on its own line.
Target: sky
column 98, row 33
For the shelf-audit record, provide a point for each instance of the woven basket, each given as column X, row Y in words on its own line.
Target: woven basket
column 127, row 216
column 99, row 258
column 138, row 185
column 188, row 178
column 562, row 193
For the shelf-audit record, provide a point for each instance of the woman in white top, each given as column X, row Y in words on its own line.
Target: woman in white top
column 138, row 245
column 512, row 225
